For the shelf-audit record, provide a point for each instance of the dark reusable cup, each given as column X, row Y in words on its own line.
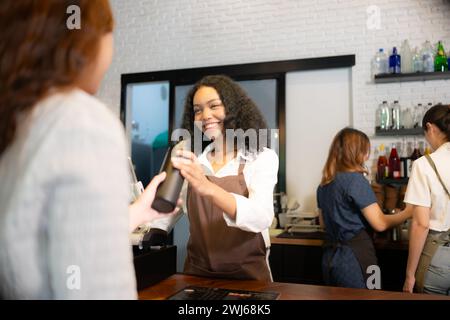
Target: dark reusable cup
column 169, row 190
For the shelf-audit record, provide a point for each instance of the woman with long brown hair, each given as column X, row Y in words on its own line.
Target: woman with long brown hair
column 348, row 207
column 65, row 220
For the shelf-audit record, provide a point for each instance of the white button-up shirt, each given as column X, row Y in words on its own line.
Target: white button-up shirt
column 424, row 188
column 254, row 213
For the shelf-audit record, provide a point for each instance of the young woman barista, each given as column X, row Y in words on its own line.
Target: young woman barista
column 348, row 207
column 428, row 192
column 230, row 187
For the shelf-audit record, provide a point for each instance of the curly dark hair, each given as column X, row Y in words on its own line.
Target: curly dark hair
column 39, row 53
column 240, row 110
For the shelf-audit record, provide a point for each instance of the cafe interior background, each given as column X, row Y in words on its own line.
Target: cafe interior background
column 156, row 35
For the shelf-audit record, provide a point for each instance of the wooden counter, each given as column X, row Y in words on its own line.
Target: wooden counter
column 288, row 291
column 379, row 243
column 300, row 261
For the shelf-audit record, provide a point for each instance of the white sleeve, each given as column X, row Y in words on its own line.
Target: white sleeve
column 255, row 213
column 418, row 191
column 89, row 251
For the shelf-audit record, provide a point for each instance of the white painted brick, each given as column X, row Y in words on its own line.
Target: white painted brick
column 154, row 35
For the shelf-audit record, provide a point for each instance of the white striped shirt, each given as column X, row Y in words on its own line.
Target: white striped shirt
column 64, row 204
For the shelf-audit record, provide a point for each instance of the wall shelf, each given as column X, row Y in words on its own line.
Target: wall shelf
column 401, row 132
column 400, row 181
column 418, row 76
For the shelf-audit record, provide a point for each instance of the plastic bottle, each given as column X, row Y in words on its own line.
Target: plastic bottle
column 407, row 118
column 384, row 67
column 406, row 57
column 377, row 67
column 394, row 62
column 440, row 61
column 396, row 118
column 381, row 115
column 386, row 119
column 169, row 190
column 417, row 61
column 428, row 57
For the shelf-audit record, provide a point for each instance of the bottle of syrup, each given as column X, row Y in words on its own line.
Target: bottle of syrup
column 394, row 163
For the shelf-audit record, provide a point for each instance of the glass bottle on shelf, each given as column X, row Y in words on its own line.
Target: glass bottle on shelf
column 417, row 61
column 394, row 62
column 407, row 118
column 428, row 57
column 406, row 57
column 394, row 163
column 404, row 160
column 378, row 116
column 421, row 148
column 417, row 115
column 416, row 151
column 414, row 156
column 396, row 118
column 382, row 164
column 386, row 118
column 440, row 61
column 409, row 147
column 380, row 64
column 448, row 58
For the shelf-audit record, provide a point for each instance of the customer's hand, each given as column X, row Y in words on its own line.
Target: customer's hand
column 407, row 212
column 141, row 210
column 192, row 171
column 408, row 286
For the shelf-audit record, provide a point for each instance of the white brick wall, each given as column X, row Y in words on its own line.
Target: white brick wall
column 156, row 35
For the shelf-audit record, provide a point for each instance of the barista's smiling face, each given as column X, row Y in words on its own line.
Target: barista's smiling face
column 209, row 112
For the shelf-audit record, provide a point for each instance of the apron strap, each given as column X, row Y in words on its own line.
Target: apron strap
column 437, row 173
column 432, row 243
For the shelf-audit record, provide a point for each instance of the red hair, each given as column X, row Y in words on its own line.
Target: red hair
column 39, row 52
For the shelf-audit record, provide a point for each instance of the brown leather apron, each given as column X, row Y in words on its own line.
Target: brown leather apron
column 216, row 250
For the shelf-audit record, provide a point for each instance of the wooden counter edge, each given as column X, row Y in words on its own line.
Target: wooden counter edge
column 288, row 291
column 379, row 243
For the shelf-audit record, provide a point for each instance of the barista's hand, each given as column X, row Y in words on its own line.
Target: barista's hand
column 408, row 286
column 192, row 171
column 141, row 210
